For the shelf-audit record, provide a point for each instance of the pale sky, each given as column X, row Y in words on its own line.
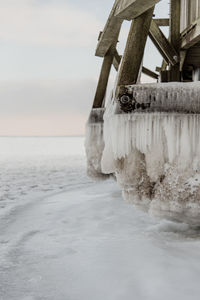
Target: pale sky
column 48, row 71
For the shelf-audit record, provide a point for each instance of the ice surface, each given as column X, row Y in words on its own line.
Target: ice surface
column 155, row 153
column 83, row 241
column 35, row 167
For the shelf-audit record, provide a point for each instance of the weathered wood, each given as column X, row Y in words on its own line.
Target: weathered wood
column 134, row 51
column 116, row 60
column 162, row 44
column 191, row 35
column 164, row 65
column 103, row 78
column 192, row 57
column 130, row 9
column 183, row 54
column 164, row 76
column 175, row 24
column 149, row 73
column 146, row 71
column 110, row 34
column 158, row 69
column 175, row 14
column 162, row 22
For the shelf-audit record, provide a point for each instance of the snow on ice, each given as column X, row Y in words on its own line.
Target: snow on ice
column 75, row 239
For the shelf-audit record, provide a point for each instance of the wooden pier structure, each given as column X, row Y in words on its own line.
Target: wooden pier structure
column 180, row 51
column 148, row 135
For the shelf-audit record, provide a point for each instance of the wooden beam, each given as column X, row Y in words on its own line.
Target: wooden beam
column 149, row 73
column 110, row 34
column 116, row 60
column 191, row 35
column 183, row 54
column 164, row 76
column 192, row 57
column 158, row 69
column 175, row 12
column 175, row 15
column 164, row 65
column 131, row 9
column 134, row 51
column 103, row 78
column 162, row 22
column 162, row 44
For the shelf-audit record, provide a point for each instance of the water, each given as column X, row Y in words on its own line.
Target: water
column 65, row 237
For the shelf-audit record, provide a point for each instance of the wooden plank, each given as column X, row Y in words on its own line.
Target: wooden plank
column 146, row 71
column 110, row 34
column 191, row 35
column 162, row 44
column 164, row 65
column 164, row 76
column 103, row 78
column 175, row 15
column 116, row 60
column 158, row 69
column 192, row 56
column 183, row 54
column 131, row 9
column 134, row 51
column 174, row 35
column 162, row 22
column 149, row 73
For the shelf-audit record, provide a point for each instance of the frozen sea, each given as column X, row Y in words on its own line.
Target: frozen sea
column 65, row 237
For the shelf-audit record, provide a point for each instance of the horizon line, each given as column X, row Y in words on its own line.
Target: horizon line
column 42, row 136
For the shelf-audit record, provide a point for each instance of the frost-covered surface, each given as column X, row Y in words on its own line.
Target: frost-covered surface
column 35, row 167
column 83, row 241
column 156, row 155
column 168, row 97
column 94, row 143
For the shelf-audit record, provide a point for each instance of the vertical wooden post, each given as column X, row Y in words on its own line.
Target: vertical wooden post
column 175, row 15
column 103, row 78
column 134, row 51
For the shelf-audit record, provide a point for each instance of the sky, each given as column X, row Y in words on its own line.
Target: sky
column 49, row 72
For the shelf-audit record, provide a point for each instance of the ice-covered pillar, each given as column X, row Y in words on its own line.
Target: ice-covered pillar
column 131, row 174
column 94, row 143
column 154, row 151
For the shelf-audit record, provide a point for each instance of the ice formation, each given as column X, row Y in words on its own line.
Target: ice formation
column 155, row 153
column 169, row 97
column 94, row 143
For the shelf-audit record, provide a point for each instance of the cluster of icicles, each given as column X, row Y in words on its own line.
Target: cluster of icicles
column 177, row 134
